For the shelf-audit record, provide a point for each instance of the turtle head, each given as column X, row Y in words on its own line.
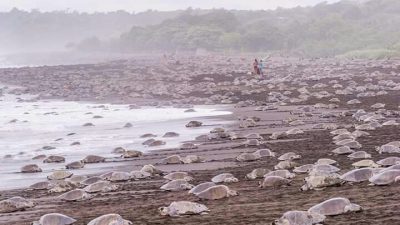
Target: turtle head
column 232, row 193
column 317, row 218
column 352, row 208
column 163, row 211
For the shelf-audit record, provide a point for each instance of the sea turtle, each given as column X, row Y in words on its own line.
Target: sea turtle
column 42, row 185
column 304, row 168
column 194, row 124
column 388, row 149
column 300, row 218
column 360, row 133
column 339, row 131
column 359, row 155
column 148, row 135
column 224, row 178
column 31, row 168
column 343, row 150
column 54, row 159
column 257, row 173
column 285, row 165
column 137, row 175
column 91, row 180
column 334, row 206
column 325, row 162
column 294, row 131
column 76, row 179
column 170, row 134
column 365, row 163
column 178, row 176
column 252, row 142
column 386, row 177
column 281, row 173
column 264, row 153
column 395, row 143
column 389, row 161
column 277, row 135
column 119, row 176
column 131, row 154
column 62, row 186
column 323, row 169
column 118, row 150
column 201, row 187
column 93, row 159
column 54, row 219
column 216, row 192
column 188, row 146
column 350, row 143
column 321, row 181
column 183, row 208
column 110, row 219
column 274, row 181
column 289, row 156
column 177, row 185
column 151, row 169
column 75, row 165
column 173, row 159
column 59, row 175
column 192, row 159
column 15, row 204
column 75, row 195
column 358, row 175
column 247, row 157
column 100, row 186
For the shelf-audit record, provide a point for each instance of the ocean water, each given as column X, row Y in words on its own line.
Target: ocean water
column 26, row 127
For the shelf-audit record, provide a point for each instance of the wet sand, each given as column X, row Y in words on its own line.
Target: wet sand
column 139, row 201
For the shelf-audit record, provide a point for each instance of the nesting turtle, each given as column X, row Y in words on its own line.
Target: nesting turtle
column 294, row 131
column 137, row 175
column 177, row 185
column 264, row 153
column 278, row 135
column 388, row 149
column 188, row 146
column 75, row 165
column 110, row 219
column 75, row 195
column 31, row 168
column 54, row 159
column 192, row 159
column 319, row 182
column 93, row 159
column 43, row 185
column 106, row 176
column 281, row 173
column 285, row 165
column 15, row 204
column 170, row 134
column 343, row 150
column 389, row 161
column 365, row 163
column 183, row 208
column 101, row 186
column 91, row 180
column 252, row 142
column 76, row 179
column 224, row 178
column 247, row 157
column 304, row 168
column 194, row 124
column 216, row 192
column 274, row 181
column 54, row 219
column 386, row 177
column 59, row 175
column 131, row 154
column 326, row 162
column 151, row 169
column 289, row 156
column 120, row 176
column 173, row 159
column 178, row 176
column 201, row 187
column 323, row 169
column 257, row 173
column 335, row 206
column 359, row 155
column 358, row 175
column 62, row 186
column 300, row 218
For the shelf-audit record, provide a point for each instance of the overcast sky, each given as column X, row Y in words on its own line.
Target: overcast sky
column 142, row 5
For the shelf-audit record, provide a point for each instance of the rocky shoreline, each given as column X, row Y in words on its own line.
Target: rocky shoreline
column 294, row 119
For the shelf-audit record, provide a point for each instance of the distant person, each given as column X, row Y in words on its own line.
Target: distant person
column 255, row 67
column 261, row 67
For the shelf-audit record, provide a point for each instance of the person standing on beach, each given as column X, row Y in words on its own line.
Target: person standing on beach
column 255, row 67
column 260, row 67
